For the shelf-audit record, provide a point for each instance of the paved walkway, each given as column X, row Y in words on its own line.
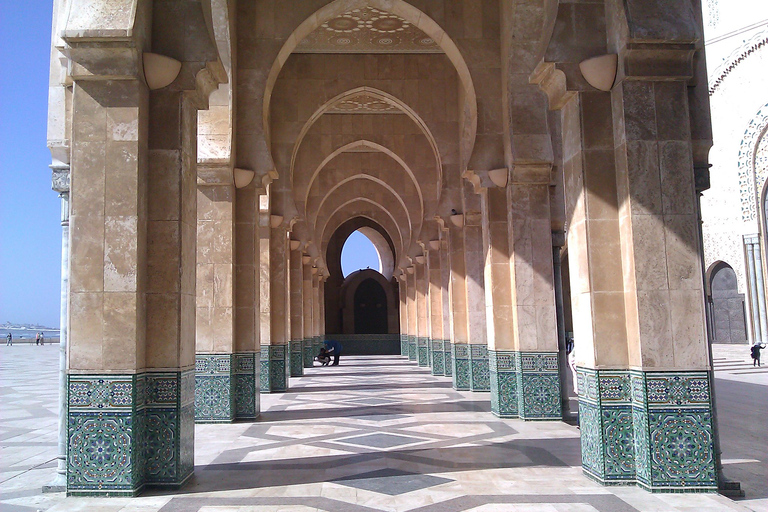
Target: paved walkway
column 373, row 434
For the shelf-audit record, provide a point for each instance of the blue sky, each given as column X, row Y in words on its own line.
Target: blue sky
column 30, row 230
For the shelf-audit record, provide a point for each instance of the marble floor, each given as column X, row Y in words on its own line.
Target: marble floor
column 374, row 434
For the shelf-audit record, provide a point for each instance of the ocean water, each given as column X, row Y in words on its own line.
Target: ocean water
column 26, row 333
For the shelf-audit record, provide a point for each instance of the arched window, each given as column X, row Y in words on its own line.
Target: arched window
column 359, row 253
column 728, row 319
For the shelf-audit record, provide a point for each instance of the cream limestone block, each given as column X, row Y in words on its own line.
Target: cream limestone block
column 89, row 116
column 121, row 191
column 123, row 124
column 650, row 266
column 688, row 326
column 163, row 329
column 164, row 171
column 223, row 286
column 245, row 289
column 222, row 323
column 643, row 184
column 677, row 188
column 246, row 333
column 86, row 253
column 683, row 263
column 123, row 334
column 585, row 343
column 88, row 182
column 605, row 256
column 204, row 333
column 609, row 321
column 186, row 343
column 205, row 242
column 120, row 254
column 163, row 263
column 655, row 329
column 86, row 329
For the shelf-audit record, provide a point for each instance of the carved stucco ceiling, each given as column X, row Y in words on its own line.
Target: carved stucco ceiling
column 367, row 30
column 363, row 103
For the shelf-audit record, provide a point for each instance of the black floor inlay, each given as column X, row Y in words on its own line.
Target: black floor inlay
column 391, row 481
column 381, row 440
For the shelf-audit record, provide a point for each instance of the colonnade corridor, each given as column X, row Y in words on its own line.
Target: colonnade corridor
column 377, row 433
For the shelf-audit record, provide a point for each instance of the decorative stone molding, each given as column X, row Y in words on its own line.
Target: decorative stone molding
column 214, row 382
column 751, row 178
column 554, row 84
column 730, row 63
column 600, row 71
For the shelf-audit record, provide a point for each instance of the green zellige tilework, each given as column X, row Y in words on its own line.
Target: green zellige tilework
column 274, row 368
column 126, row 431
column 214, row 393
column 652, row 428
column 246, row 375
column 296, row 358
column 479, row 377
column 461, row 369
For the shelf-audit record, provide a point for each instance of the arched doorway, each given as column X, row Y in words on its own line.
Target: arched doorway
column 728, row 318
column 370, row 308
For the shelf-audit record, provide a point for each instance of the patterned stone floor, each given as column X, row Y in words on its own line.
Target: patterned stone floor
column 374, row 434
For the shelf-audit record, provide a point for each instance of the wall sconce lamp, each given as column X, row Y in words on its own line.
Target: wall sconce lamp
column 419, row 259
column 600, row 72
column 499, row 177
column 410, row 269
column 457, row 219
column 159, row 71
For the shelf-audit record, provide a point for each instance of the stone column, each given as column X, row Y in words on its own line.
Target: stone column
column 60, row 184
column 247, row 345
column 277, row 355
column 402, row 289
column 757, row 286
column 477, row 353
column 663, row 290
column 446, row 315
column 413, row 323
column 310, row 311
column 422, row 311
column 458, row 299
column 437, row 337
column 296, row 290
column 106, row 300
column 498, row 304
column 215, row 396
column 533, row 293
column 318, row 321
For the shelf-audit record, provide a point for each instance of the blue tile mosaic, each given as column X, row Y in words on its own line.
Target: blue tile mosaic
column 480, row 376
column 448, row 360
column 423, row 353
column 246, row 377
column 438, row 357
column 538, row 386
column 296, row 358
column 502, row 366
column 274, row 368
column 214, row 394
column 460, row 366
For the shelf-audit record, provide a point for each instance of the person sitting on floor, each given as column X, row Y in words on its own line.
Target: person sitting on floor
column 324, row 357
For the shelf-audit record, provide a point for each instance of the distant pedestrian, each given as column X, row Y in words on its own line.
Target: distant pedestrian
column 9, row 340
column 37, row 339
column 756, row 353
column 334, row 349
column 42, row 339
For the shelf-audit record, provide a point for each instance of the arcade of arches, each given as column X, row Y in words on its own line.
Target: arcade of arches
column 204, row 215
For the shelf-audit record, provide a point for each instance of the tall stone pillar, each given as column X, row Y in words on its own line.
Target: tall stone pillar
column 533, row 292
column 437, row 337
column 458, row 300
column 246, row 365
column 445, row 287
column 663, row 289
column 295, row 291
column 310, row 311
column 215, row 382
column 756, row 287
column 413, row 323
column 477, row 353
column 318, row 321
column 422, row 311
column 276, row 354
column 403, row 309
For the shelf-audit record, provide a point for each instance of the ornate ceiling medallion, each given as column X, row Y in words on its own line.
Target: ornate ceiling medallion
column 363, row 103
column 367, row 30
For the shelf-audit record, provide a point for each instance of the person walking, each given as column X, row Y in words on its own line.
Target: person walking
column 9, row 340
column 37, row 339
column 756, row 353
column 334, row 349
column 42, row 338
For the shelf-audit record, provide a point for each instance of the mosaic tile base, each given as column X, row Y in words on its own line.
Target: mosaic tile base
column 404, row 345
column 503, row 381
column 274, row 378
column 308, row 354
column 538, row 386
column 246, row 375
column 480, row 378
column 296, row 358
column 438, row 357
column 461, row 369
column 412, row 348
column 126, row 431
column 214, row 396
column 447, row 360
column 423, row 351
column 651, row 428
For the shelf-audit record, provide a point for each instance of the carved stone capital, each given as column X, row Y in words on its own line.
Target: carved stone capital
column 531, row 174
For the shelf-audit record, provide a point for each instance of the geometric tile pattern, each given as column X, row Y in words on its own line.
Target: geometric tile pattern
column 412, row 348
column 309, row 356
column 438, row 357
column 447, row 361
column 652, row 428
column 274, row 365
column 503, row 378
column 246, row 376
column 423, row 351
column 296, row 358
column 214, row 393
column 461, row 369
column 480, row 376
column 538, row 386
column 404, row 345
column 126, row 431
column 391, row 481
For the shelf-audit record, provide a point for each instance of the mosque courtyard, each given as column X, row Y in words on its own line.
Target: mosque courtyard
column 375, row 433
